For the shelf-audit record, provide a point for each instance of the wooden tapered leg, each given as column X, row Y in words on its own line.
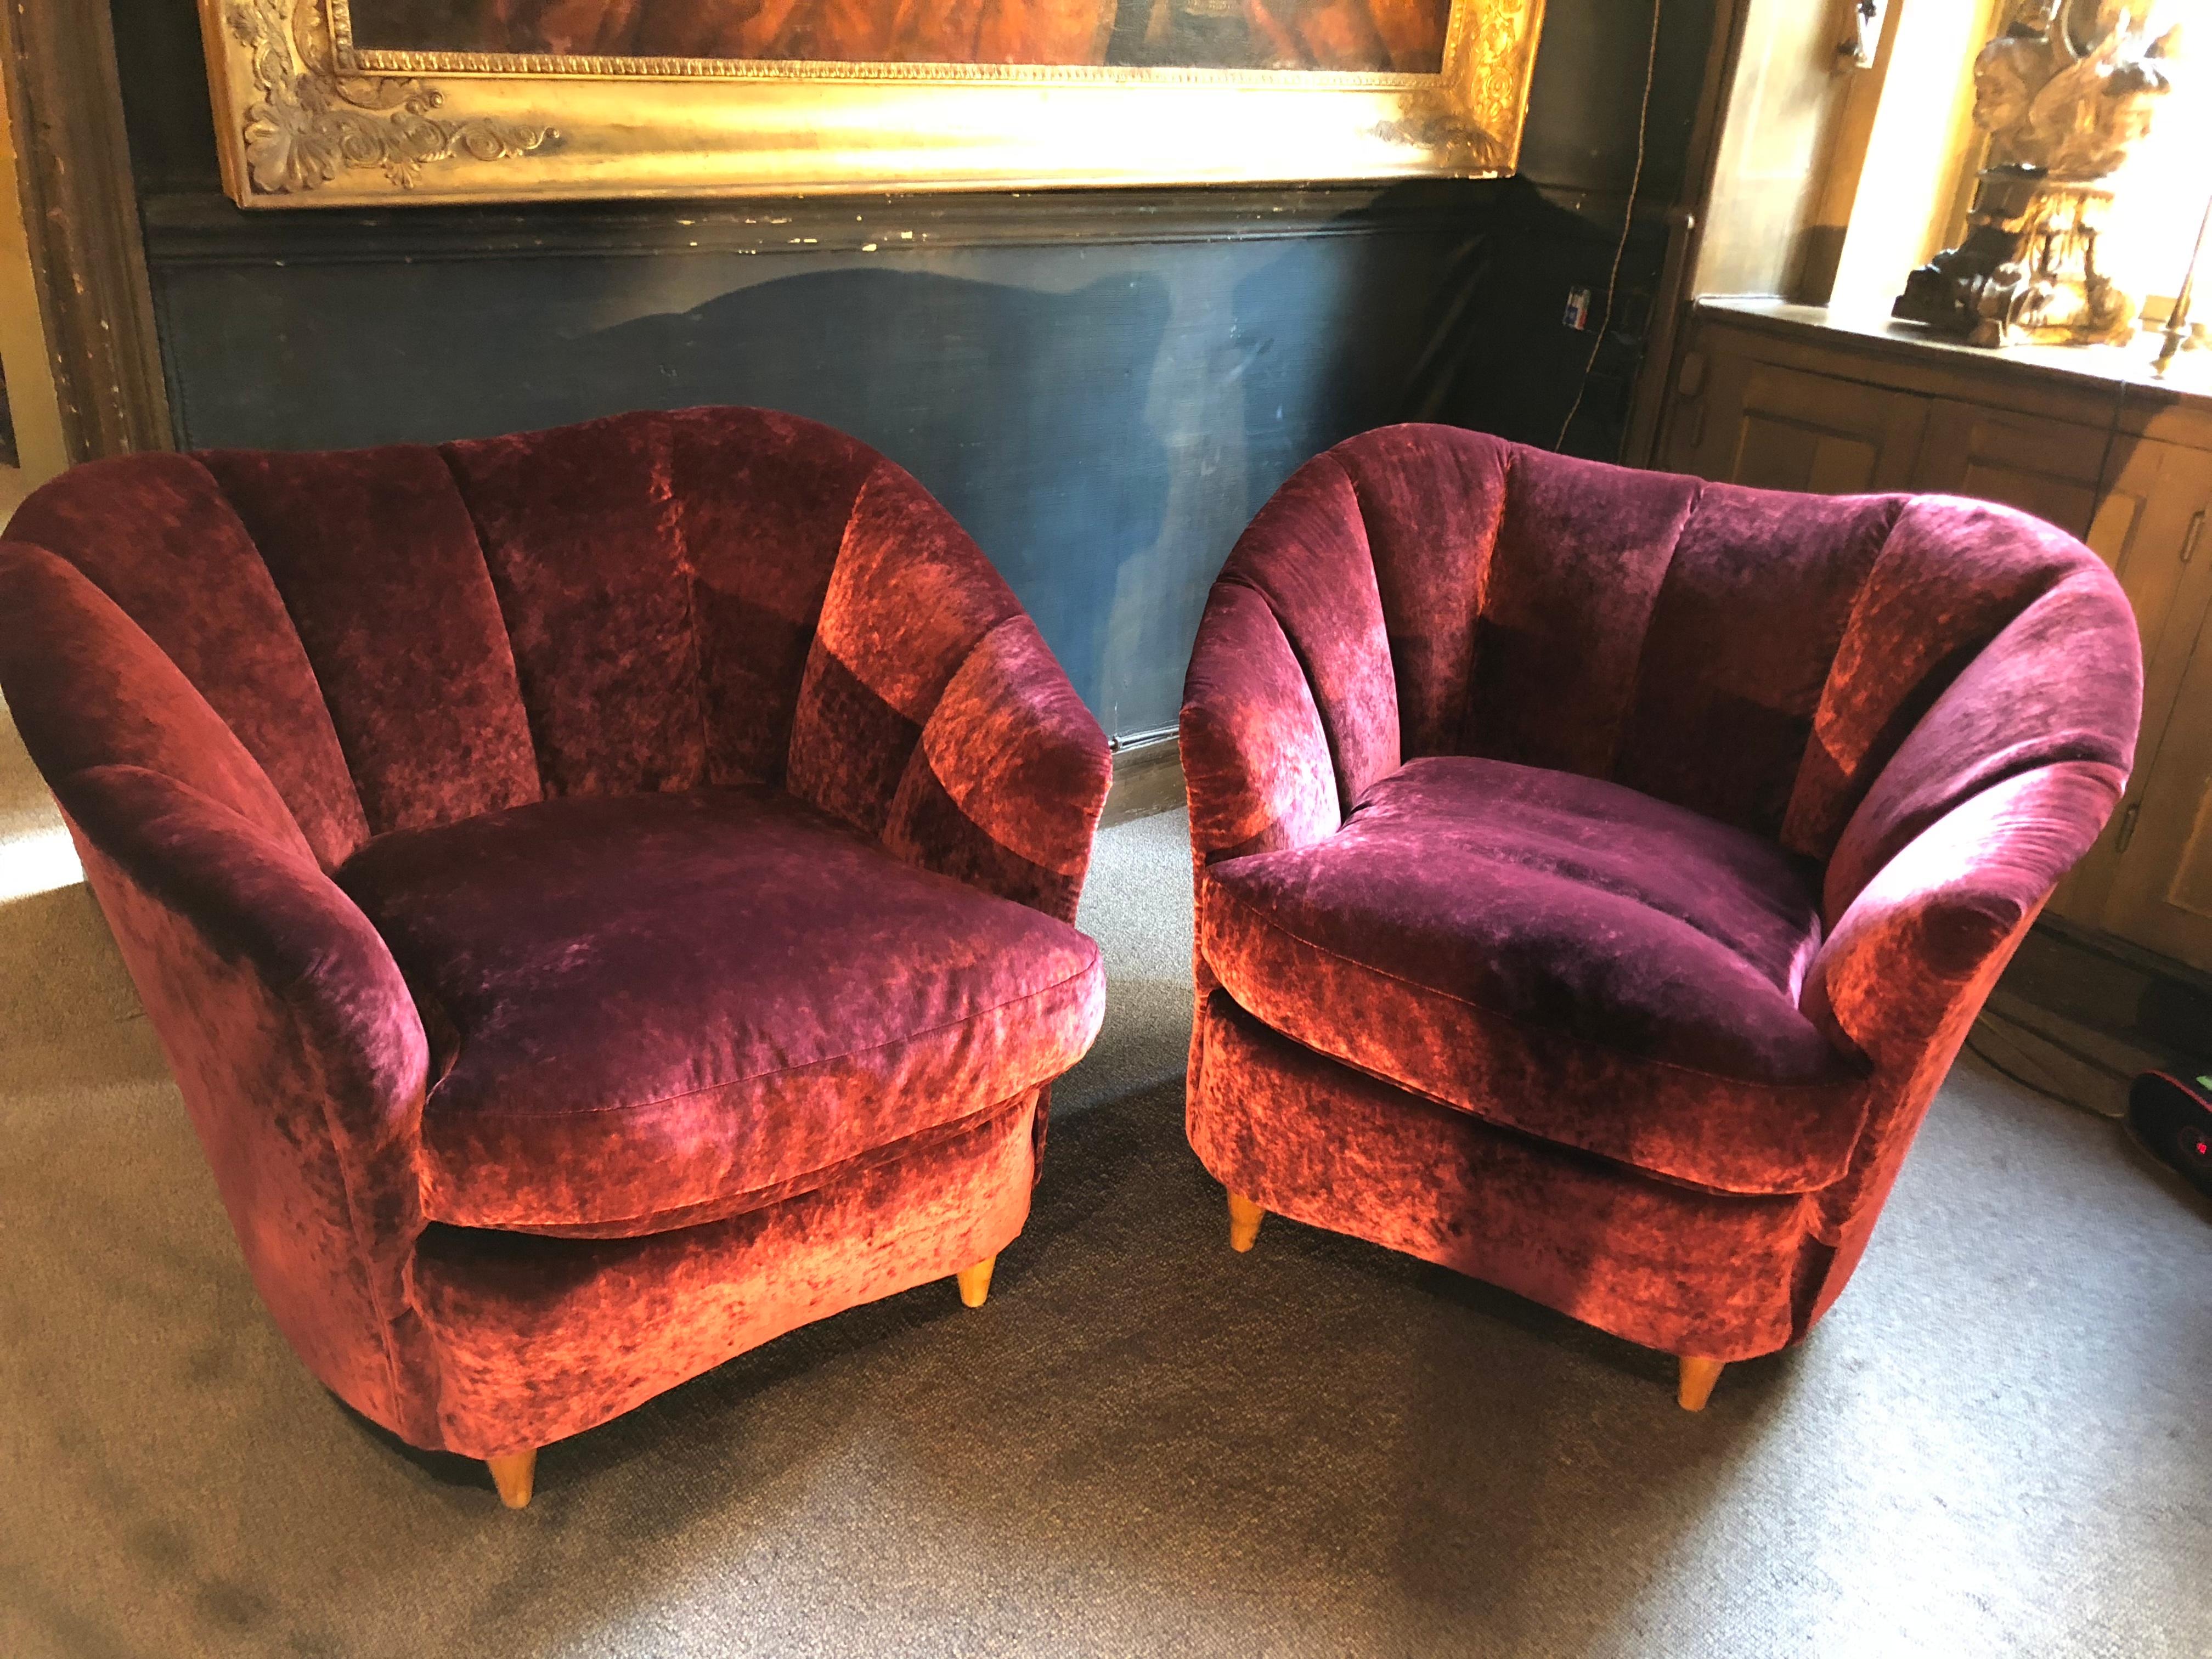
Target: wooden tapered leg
column 1699, row 1376
column 976, row 1281
column 512, row 1474
column 1244, row 1217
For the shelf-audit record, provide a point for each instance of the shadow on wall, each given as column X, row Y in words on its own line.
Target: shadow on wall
column 1029, row 413
column 1105, row 445
column 1104, row 423
column 1105, row 417
column 1498, row 351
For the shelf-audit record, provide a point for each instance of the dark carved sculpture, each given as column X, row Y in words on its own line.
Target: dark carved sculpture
column 2064, row 91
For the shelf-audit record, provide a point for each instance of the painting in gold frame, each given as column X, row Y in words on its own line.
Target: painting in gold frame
column 356, row 102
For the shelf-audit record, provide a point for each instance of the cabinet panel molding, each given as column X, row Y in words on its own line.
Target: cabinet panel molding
column 1797, row 407
column 2161, row 892
column 1777, row 428
column 2050, row 468
column 2147, row 528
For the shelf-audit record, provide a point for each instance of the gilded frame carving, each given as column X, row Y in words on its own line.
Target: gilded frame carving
column 304, row 119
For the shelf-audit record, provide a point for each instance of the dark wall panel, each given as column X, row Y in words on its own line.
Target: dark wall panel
column 1102, row 387
column 1103, row 419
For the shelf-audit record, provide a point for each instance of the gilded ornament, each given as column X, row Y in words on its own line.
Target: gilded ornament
column 309, row 115
column 2064, row 91
column 309, row 124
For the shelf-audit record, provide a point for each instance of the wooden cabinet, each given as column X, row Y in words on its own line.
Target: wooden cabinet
column 2148, row 527
column 2050, row 468
column 2161, row 893
column 1778, row 428
column 1773, row 398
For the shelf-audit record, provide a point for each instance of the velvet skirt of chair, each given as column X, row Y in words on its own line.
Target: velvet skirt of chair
column 542, row 1338
column 1723, row 1276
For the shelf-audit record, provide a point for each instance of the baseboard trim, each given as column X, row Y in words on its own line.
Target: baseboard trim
column 1147, row 778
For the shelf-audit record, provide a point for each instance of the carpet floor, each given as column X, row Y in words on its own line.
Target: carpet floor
column 2000, row 1442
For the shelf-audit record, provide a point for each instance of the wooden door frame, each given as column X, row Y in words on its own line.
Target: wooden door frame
column 1814, row 243
column 1670, row 306
column 80, row 207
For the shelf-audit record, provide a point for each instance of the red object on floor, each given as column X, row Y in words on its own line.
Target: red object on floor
column 605, row 893
column 1597, row 869
column 2171, row 1119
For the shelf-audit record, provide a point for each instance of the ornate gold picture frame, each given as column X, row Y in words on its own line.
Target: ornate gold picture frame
column 308, row 115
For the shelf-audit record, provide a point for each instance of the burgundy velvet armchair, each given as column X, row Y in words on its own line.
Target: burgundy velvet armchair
column 1597, row 870
column 606, row 894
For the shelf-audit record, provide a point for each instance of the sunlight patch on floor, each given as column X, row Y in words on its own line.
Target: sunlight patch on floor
column 38, row 862
column 36, row 854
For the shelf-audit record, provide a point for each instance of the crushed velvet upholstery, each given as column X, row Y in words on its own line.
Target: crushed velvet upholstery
column 157, row 536
column 606, row 894
column 1557, row 954
column 761, row 995
column 1597, row 870
column 538, row 1337
column 1667, row 1266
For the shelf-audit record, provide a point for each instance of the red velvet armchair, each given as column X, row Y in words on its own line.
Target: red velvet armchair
column 1597, row 870
column 606, row 894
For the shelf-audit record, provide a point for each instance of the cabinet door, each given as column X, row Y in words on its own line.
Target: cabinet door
column 2050, row 468
column 1740, row 421
column 2161, row 891
column 2149, row 527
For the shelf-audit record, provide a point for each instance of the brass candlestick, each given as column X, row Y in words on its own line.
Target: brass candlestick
column 2177, row 320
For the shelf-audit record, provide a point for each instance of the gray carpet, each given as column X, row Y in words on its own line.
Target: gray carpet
column 1999, row 1443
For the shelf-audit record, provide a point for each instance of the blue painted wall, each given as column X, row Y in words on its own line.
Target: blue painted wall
column 1103, row 389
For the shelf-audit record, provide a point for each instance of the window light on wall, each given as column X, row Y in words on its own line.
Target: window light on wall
column 1924, row 153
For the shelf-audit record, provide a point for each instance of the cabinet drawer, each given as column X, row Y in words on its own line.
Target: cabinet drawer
column 2049, row 468
column 1771, row 427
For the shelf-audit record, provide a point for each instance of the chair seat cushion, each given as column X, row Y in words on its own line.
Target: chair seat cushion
column 1559, row 955
column 655, row 1009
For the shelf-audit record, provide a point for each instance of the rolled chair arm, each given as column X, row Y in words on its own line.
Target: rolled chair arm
column 1008, row 778
column 301, row 1059
column 1256, row 758
column 932, row 715
column 296, row 1044
column 1990, row 798
column 262, row 906
column 163, row 795
column 1906, row 968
